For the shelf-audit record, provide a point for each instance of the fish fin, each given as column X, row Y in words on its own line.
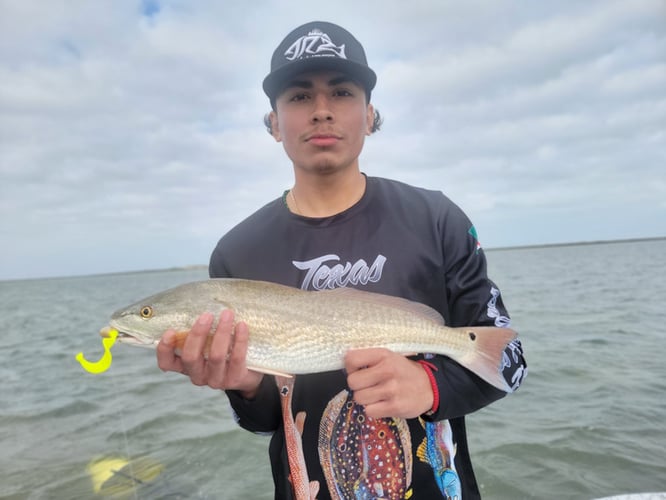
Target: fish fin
column 179, row 343
column 268, row 371
column 487, row 358
column 299, row 421
column 314, row 489
column 179, row 339
column 222, row 300
column 400, row 303
column 422, row 452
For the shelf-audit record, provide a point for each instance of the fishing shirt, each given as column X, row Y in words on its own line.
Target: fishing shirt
column 397, row 240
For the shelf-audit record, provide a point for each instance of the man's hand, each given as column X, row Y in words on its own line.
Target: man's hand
column 224, row 368
column 388, row 384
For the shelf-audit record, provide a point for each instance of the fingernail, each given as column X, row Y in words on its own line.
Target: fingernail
column 226, row 316
column 168, row 338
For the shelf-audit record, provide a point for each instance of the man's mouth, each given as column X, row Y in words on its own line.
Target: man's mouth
column 323, row 140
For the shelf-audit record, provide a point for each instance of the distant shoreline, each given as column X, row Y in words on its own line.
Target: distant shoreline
column 112, row 273
column 574, row 244
column 205, row 267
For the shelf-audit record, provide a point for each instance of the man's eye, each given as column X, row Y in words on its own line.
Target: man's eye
column 298, row 97
column 342, row 93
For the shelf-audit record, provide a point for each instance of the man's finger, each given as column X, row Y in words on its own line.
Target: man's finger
column 239, row 350
column 222, row 340
column 192, row 356
column 166, row 353
column 358, row 359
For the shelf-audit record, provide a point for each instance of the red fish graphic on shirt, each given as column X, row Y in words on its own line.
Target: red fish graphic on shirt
column 364, row 457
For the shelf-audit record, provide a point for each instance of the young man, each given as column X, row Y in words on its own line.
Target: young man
column 388, row 426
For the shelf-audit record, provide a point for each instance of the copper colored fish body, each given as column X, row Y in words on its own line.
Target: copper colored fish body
column 294, row 331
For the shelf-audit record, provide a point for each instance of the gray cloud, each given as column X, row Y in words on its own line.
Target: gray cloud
column 131, row 134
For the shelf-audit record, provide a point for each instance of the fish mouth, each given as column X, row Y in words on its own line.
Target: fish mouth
column 124, row 337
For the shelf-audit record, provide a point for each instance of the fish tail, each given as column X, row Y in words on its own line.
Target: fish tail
column 487, row 358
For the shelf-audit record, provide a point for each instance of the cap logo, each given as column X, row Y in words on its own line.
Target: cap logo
column 315, row 43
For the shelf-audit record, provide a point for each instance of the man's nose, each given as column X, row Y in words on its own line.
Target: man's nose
column 322, row 109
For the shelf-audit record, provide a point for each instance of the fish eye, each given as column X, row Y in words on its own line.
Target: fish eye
column 146, row 312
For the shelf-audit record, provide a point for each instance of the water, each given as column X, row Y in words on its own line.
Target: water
column 589, row 422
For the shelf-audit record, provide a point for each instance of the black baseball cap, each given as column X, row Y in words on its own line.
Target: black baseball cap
column 316, row 46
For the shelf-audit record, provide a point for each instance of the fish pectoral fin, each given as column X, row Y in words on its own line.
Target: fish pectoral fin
column 223, row 301
column 268, row 371
column 314, row 489
column 299, row 421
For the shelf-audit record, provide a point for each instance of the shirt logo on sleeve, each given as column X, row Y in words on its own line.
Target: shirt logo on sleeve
column 500, row 320
column 474, row 234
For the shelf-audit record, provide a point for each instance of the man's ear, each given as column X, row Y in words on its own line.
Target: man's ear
column 370, row 119
column 275, row 128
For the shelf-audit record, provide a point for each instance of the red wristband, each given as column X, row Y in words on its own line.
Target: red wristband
column 429, row 369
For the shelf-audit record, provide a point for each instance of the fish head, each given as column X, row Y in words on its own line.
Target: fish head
column 144, row 322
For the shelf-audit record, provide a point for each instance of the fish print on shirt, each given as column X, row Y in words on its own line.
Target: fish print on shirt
column 302, row 487
column 438, row 450
column 362, row 457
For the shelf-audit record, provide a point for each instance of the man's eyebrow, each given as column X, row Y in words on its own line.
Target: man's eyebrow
column 307, row 84
column 301, row 84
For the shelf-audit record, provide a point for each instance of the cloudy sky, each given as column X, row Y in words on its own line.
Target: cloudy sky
column 131, row 132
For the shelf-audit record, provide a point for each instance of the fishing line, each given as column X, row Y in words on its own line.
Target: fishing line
column 161, row 488
column 126, row 442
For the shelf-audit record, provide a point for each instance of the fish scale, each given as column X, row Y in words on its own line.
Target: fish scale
column 294, row 331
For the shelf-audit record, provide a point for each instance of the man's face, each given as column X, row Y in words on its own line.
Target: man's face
column 322, row 119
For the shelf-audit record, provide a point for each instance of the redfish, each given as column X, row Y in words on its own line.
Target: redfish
column 294, row 331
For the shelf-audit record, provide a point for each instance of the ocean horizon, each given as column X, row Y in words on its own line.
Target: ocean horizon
column 187, row 267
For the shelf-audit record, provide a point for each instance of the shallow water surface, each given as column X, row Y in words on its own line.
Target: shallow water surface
column 590, row 420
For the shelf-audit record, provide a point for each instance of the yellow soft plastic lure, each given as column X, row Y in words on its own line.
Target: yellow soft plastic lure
column 105, row 361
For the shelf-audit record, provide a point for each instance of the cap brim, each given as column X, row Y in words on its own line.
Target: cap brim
column 278, row 80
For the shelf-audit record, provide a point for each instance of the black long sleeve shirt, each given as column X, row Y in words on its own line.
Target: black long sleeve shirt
column 397, row 240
